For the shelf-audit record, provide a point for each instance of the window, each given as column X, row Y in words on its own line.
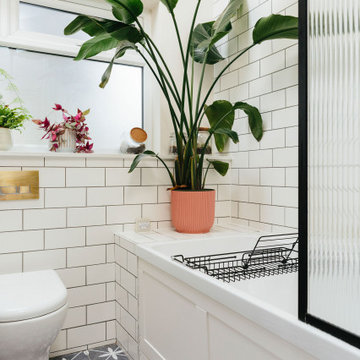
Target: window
column 40, row 59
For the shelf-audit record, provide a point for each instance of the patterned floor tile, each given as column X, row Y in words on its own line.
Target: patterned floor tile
column 107, row 352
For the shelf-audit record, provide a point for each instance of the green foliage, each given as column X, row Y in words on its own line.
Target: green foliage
column 187, row 110
column 12, row 118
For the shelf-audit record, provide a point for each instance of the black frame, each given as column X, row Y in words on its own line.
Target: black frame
column 303, row 186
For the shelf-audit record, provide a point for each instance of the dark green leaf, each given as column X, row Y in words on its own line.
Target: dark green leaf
column 220, row 114
column 96, row 45
column 170, row 4
column 255, row 119
column 206, row 35
column 230, row 133
column 139, row 157
column 220, row 166
column 126, row 10
column 275, row 27
column 120, row 51
column 201, row 34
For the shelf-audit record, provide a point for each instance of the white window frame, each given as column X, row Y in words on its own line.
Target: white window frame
column 12, row 36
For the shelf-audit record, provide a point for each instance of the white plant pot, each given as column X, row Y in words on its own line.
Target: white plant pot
column 67, row 141
column 6, row 142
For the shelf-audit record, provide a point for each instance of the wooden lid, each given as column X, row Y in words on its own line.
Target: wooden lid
column 138, row 135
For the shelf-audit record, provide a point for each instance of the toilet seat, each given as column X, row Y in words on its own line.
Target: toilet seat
column 29, row 295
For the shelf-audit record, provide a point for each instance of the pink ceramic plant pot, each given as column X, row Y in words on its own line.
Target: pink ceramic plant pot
column 193, row 212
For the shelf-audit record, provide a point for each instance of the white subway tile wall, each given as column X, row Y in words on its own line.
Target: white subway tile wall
column 83, row 201
column 264, row 175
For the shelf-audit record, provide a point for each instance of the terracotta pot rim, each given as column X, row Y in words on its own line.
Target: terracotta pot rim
column 193, row 191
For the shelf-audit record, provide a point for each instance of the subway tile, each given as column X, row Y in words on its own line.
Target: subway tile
column 260, row 194
column 292, row 176
column 164, row 195
column 280, row 5
column 285, row 78
column 50, row 177
column 128, row 281
column 11, row 263
column 157, row 212
column 64, row 238
column 249, row 177
column 121, row 297
column 240, row 193
column 86, row 335
column 60, row 342
column 110, row 253
column 283, row 196
column 292, row 136
column 88, row 255
column 273, row 139
column 272, row 214
column 110, row 291
column 20, row 241
column 85, row 177
column 223, row 209
column 44, row 219
column 63, row 161
column 140, row 195
column 132, row 263
column 273, row 101
column 121, row 256
column 43, row 260
column 105, row 196
column 65, row 197
column 260, row 158
column 128, row 322
column 133, row 305
column 123, row 214
column 249, row 72
column 75, row 317
column 97, row 235
column 22, row 161
column 249, row 211
column 11, row 220
column 292, row 96
column 104, row 162
column 229, row 80
column 272, row 63
column 146, row 162
column 73, row 277
column 286, row 157
column 100, row 273
column 155, row 176
column 292, row 55
column 101, row 312
column 110, row 330
column 86, row 216
column 260, row 86
column 272, row 177
column 122, row 177
column 285, row 117
column 224, row 192
column 86, row 295
column 291, row 217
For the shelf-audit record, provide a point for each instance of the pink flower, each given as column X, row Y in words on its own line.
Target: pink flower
column 57, row 107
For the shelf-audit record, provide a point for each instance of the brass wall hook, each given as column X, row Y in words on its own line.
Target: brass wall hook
column 19, row 185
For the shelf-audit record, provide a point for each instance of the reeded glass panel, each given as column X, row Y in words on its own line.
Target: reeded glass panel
column 44, row 79
column 334, row 162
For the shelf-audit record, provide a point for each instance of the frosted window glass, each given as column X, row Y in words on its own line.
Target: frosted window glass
column 334, row 162
column 46, row 20
column 45, row 79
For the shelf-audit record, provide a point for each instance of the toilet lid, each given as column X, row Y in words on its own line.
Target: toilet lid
column 31, row 294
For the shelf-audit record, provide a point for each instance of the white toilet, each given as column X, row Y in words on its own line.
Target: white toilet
column 33, row 306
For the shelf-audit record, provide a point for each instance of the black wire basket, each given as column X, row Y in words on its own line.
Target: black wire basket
column 271, row 255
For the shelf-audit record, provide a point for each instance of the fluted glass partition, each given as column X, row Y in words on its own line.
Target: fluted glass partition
column 334, row 162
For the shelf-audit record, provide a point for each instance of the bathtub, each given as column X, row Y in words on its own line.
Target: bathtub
column 186, row 314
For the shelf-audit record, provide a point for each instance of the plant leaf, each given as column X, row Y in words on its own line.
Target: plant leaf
column 96, row 45
column 230, row 133
column 170, row 4
column 126, row 10
column 275, row 27
column 221, row 114
column 206, row 35
column 220, row 166
column 201, row 34
column 139, row 157
column 120, row 51
column 255, row 119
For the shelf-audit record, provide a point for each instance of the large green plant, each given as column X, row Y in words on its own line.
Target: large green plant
column 187, row 106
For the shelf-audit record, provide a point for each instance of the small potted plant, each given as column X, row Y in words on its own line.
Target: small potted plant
column 192, row 204
column 70, row 135
column 11, row 117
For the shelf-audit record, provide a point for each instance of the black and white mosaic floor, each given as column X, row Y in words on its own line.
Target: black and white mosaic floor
column 107, row 352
